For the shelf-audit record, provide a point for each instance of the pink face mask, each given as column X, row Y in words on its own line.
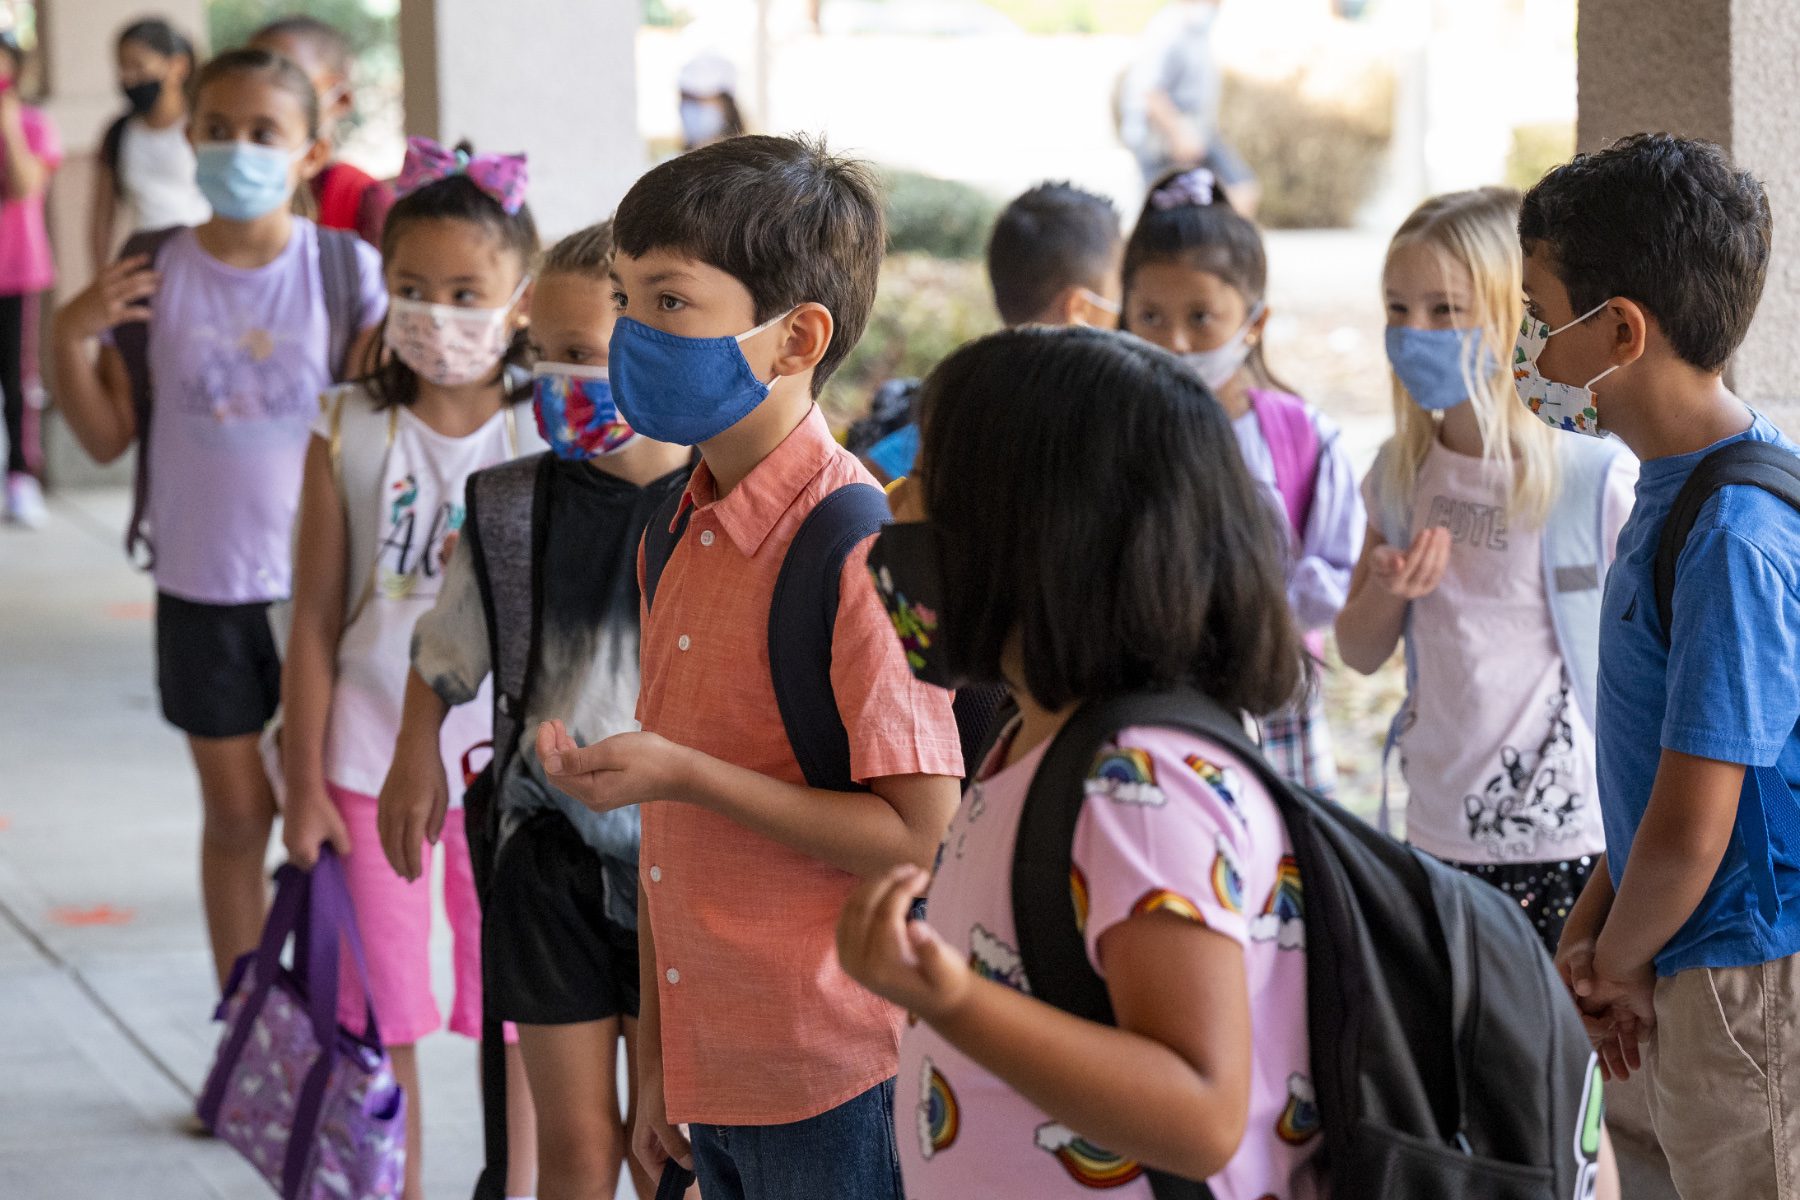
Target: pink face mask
column 446, row 344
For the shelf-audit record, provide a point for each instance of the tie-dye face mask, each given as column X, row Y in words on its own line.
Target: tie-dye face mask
column 575, row 412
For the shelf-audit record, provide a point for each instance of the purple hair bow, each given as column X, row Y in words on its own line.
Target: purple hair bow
column 1198, row 187
column 501, row 176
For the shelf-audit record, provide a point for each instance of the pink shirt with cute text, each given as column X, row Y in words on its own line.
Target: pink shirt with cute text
column 1172, row 823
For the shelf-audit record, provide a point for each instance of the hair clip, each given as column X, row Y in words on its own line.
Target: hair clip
column 1197, row 188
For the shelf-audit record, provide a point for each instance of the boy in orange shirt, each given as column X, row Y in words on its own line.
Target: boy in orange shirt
column 752, row 1035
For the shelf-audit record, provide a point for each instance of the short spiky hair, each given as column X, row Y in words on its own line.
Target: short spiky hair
column 585, row 252
column 1666, row 221
column 785, row 217
column 1052, row 238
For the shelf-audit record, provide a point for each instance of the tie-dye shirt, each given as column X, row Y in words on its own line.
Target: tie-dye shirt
column 1171, row 823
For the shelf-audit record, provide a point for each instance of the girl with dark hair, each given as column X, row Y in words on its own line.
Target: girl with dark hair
column 1096, row 557
column 29, row 156
column 146, row 158
column 225, row 334
column 380, row 506
column 1195, row 284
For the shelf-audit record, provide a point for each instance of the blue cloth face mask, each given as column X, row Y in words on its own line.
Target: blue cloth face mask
column 1436, row 366
column 575, row 412
column 683, row 390
column 242, row 180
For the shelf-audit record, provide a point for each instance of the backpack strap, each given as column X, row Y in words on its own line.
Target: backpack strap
column 362, row 437
column 1294, row 445
column 802, row 620
column 132, row 340
column 507, row 543
column 667, row 524
column 340, row 281
column 1575, row 560
column 1746, row 463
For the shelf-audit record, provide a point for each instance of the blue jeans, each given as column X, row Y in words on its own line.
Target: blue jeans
column 845, row 1154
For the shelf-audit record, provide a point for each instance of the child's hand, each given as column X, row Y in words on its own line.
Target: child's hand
column 1419, row 570
column 653, row 1139
column 308, row 821
column 117, row 295
column 626, row 769
column 415, row 797
column 1618, row 1014
column 901, row 960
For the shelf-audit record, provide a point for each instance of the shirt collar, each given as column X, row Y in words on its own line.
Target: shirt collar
column 750, row 512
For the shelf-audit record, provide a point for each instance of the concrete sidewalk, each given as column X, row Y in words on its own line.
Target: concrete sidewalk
column 105, row 984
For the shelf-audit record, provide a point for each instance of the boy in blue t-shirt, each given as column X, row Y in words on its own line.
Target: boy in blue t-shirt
column 1643, row 267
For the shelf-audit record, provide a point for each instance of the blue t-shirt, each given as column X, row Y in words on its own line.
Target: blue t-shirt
column 1726, row 688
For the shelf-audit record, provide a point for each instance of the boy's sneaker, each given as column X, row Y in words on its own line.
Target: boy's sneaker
column 25, row 501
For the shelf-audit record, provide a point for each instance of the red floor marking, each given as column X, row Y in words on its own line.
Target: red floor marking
column 101, row 914
column 134, row 610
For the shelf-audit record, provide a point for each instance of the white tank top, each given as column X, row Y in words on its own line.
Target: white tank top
column 156, row 176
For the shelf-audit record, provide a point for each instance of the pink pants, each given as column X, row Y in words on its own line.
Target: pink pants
column 394, row 917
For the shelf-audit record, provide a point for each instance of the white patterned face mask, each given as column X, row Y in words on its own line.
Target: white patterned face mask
column 1558, row 405
column 447, row 344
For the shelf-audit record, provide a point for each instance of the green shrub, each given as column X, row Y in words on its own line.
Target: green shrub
column 1537, row 148
column 1318, row 159
column 924, row 309
column 940, row 217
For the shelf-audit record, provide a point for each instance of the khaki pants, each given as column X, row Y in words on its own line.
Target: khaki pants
column 1724, row 1074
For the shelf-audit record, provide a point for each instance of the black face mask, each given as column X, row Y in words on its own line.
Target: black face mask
column 907, row 566
column 143, row 96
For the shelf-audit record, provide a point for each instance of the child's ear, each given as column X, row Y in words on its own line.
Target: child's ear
column 317, row 155
column 522, row 310
column 1258, row 325
column 806, row 337
column 1630, row 328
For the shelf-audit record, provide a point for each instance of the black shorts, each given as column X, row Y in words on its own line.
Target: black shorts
column 1545, row 891
column 550, row 955
column 216, row 667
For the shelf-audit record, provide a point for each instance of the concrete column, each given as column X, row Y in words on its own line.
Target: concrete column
column 560, row 86
column 1720, row 70
column 82, row 98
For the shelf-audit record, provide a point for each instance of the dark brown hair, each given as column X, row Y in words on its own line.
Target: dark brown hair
column 785, row 217
column 279, row 71
column 1052, row 238
column 1090, row 501
column 326, row 41
column 1666, row 221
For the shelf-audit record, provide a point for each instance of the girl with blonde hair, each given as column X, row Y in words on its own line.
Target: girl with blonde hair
column 1488, row 545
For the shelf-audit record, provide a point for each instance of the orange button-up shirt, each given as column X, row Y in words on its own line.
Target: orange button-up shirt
column 760, row 1025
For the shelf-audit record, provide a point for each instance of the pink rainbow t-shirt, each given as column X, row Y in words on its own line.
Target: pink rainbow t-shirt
column 1172, row 822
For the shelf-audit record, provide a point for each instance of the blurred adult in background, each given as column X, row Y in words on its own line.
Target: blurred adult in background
column 29, row 155
column 146, row 163
column 709, row 110
column 1168, row 103
column 347, row 196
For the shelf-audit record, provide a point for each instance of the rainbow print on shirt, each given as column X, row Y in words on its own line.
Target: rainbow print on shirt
column 1085, row 1162
column 1228, row 878
column 1163, row 900
column 1125, row 776
column 1283, row 916
column 1299, row 1121
column 1078, row 893
column 940, row 1117
column 1222, row 780
column 991, row 958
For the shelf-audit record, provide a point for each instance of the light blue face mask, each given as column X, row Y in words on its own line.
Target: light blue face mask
column 683, row 390
column 1435, row 366
column 242, row 180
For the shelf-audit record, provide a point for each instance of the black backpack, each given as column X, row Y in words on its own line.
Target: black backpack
column 802, row 617
column 339, row 281
column 1446, row 1057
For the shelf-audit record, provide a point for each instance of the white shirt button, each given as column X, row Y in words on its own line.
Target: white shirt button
column 672, row 975
column 655, row 874
column 706, row 537
column 682, row 643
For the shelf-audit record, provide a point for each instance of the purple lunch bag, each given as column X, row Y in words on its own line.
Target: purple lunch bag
column 312, row 1106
